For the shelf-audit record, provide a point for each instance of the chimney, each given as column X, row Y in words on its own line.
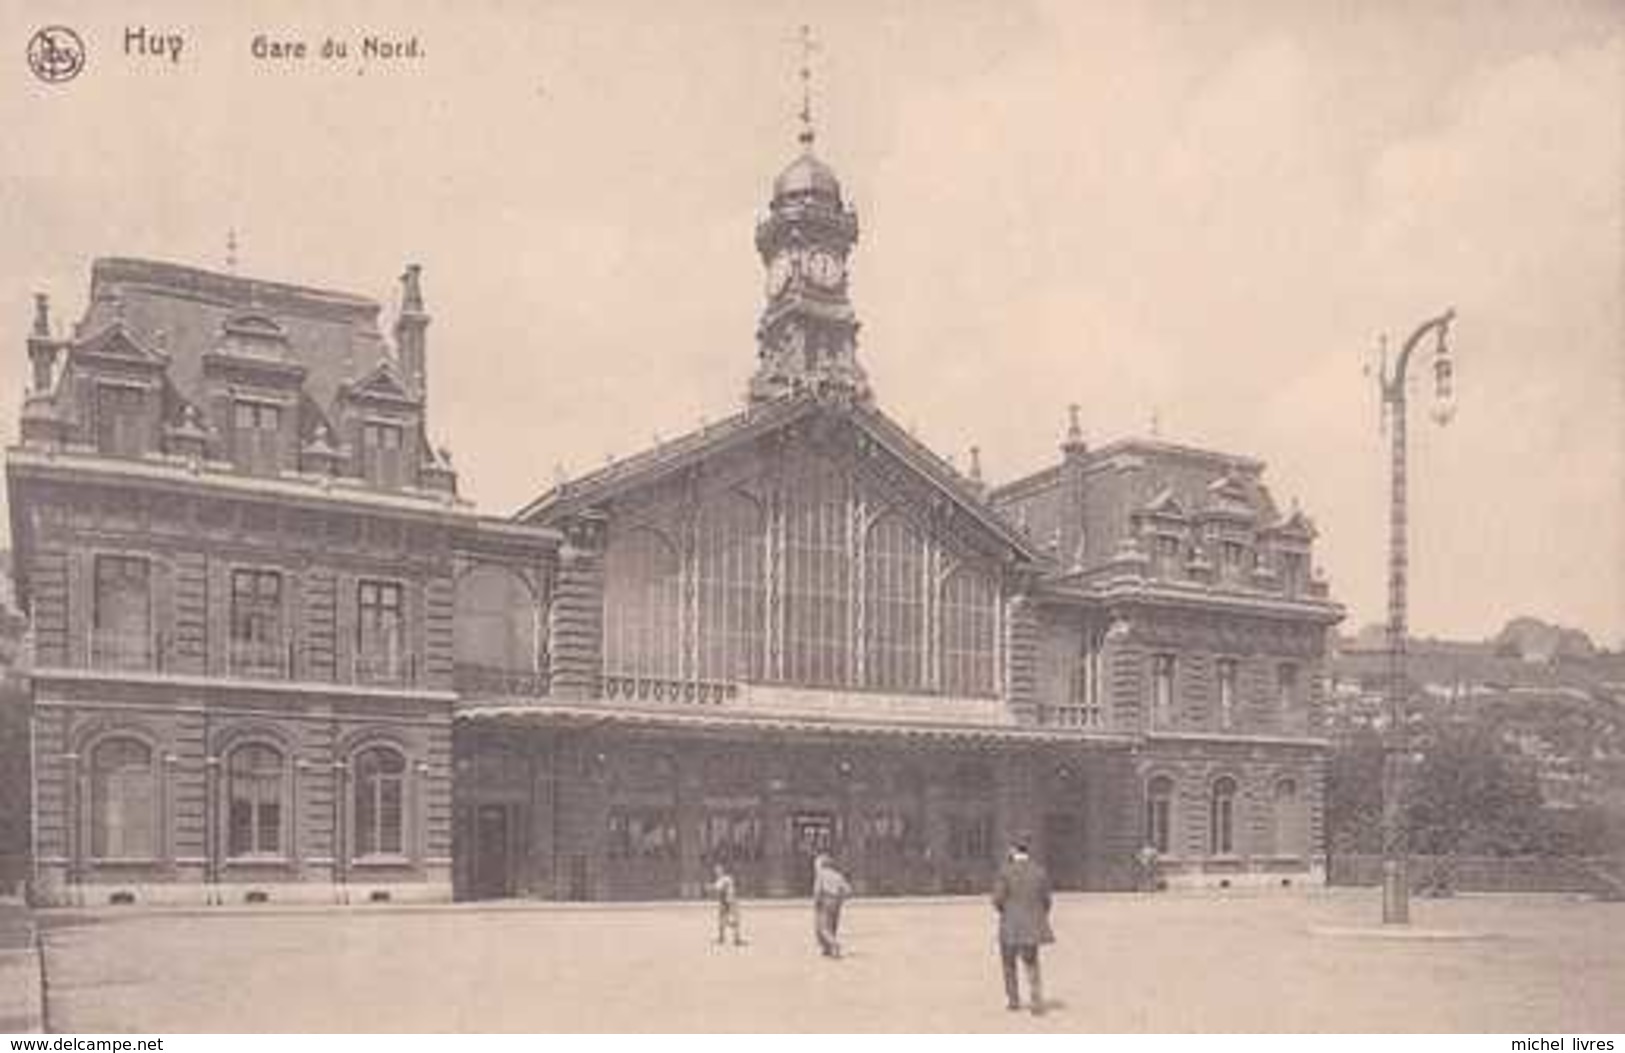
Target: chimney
column 410, row 326
column 41, row 348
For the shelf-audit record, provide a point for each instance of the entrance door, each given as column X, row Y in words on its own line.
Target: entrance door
column 493, row 855
column 810, row 834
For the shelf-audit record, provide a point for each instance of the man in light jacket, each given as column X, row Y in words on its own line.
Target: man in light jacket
column 1021, row 895
column 830, row 890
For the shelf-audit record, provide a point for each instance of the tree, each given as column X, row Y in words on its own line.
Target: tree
column 1354, row 793
column 1470, row 795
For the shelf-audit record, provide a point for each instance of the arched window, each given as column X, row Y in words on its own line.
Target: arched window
column 642, row 606
column 254, row 783
column 380, row 802
column 969, row 623
column 732, row 590
column 816, row 580
column 498, row 628
column 1291, row 833
column 1222, row 817
column 894, row 605
column 1159, row 806
column 123, row 800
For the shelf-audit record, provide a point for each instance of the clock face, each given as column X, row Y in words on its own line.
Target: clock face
column 824, row 268
column 778, row 274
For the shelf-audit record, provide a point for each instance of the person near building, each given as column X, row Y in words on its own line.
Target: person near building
column 1021, row 895
column 1149, row 868
column 830, row 891
column 726, row 891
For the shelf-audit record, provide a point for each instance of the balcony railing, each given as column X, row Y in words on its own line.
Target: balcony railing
column 123, row 649
column 494, row 681
column 656, row 689
column 1071, row 716
column 261, row 660
column 385, row 668
column 108, row 650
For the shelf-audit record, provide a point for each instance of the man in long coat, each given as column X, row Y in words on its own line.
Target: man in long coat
column 1021, row 894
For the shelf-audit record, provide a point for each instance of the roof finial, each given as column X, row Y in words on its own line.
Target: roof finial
column 412, row 289
column 808, row 46
column 1156, row 423
column 975, row 464
column 231, row 250
column 1074, row 429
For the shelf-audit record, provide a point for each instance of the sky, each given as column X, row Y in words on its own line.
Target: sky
column 1193, row 218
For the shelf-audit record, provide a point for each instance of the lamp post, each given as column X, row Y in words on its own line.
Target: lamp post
column 1395, row 885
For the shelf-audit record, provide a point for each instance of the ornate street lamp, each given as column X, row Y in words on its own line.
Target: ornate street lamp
column 1395, row 885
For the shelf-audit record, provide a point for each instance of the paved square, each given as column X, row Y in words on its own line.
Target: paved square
column 1161, row 963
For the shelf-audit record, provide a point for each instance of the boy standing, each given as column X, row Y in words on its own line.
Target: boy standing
column 727, row 894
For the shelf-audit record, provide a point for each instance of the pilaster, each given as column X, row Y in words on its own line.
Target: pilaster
column 576, row 619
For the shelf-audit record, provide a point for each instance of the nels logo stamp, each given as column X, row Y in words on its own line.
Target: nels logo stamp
column 56, row 54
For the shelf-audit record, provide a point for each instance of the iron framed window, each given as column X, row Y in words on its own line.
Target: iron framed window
column 254, row 801
column 379, row 811
column 381, row 632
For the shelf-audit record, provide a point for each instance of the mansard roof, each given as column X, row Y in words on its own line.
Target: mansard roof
column 190, row 313
column 756, row 422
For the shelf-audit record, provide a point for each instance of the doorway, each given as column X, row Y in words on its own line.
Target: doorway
column 811, row 833
column 493, row 852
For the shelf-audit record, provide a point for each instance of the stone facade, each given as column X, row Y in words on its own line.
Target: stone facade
column 241, row 560
column 277, row 658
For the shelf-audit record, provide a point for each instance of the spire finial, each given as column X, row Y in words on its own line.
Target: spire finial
column 1156, row 423
column 412, row 289
column 42, row 315
column 975, row 464
column 1074, row 430
column 231, row 250
column 808, row 46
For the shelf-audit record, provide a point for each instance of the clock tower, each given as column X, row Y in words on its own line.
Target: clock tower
column 807, row 337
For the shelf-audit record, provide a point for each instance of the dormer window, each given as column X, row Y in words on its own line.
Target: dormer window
column 381, row 447
column 1292, row 572
column 257, row 436
column 1167, row 556
column 122, row 427
column 1234, row 560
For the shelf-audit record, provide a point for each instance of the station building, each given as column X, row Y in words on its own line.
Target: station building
column 276, row 657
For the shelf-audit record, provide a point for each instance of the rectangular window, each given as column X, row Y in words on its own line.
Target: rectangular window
column 1292, row 576
column 381, row 632
column 121, row 619
column 382, row 445
column 1227, row 692
column 1083, row 708
column 256, row 440
column 1167, row 552
column 1286, row 688
column 1235, row 561
column 732, row 837
column 891, row 832
column 256, row 623
column 1162, row 689
column 970, row 836
column 257, row 416
column 642, row 834
column 122, row 428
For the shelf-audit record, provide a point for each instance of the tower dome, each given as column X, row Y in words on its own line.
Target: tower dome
column 807, row 175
